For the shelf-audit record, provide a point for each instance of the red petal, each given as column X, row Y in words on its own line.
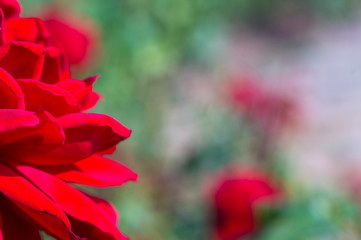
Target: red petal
column 98, row 131
column 51, row 224
column 73, row 202
column 49, row 129
column 53, row 66
column 26, row 30
column 70, row 36
column 29, row 143
column 11, row 222
column 33, row 30
column 85, row 135
column 107, row 207
column 29, row 65
column 1, row 224
column 94, row 171
column 91, row 232
column 29, row 130
column 11, row 119
column 41, row 96
column 110, row 150
column 11, row 8
column 2, row 22
column 79, row 124
column 82, row 90
column 73, row 86
column 90, row 101
column 11, row 95
column 33, row 202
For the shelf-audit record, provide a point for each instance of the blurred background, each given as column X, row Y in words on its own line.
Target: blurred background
column 263, row 94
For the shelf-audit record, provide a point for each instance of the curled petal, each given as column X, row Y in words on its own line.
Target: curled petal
column 10, row 8
column 99, row 131
column 85, row 135
column 11, row 119
column 90, row 100
column 34, row 203
column 82, row 90
column 88, row 123
column 41, row 96
column 73, row 202
column 94, row 171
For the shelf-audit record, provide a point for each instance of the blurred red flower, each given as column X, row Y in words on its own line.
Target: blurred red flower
column 270, row 110
column 47, row 141
column 235, row 198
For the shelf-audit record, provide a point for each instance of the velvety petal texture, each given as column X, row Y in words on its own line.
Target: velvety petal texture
column 47, row 140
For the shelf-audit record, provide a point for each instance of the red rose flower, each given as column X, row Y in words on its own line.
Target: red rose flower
column 235, row 197
column 47, row 141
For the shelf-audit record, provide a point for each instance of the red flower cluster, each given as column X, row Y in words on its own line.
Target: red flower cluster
column 46, row 141
column 234, row 200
